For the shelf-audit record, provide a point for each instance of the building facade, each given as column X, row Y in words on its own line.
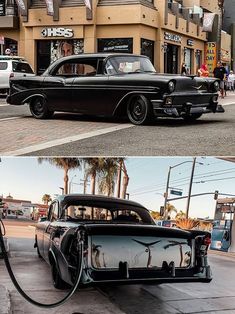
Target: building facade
column 229, row 26
column 169, row 32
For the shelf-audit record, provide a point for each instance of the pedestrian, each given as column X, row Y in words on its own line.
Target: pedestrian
column 231, row 81
column 220, row 73
column 184, row 69
column 203, row 71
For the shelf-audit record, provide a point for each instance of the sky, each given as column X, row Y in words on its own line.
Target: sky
column 24, row 178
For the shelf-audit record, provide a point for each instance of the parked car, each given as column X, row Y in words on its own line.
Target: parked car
column 12, row 67
column 122, row 244
column 165, row 223
column 114, row 85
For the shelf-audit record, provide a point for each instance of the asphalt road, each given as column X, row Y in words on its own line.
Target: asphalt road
column 34, row 276
column 74, row 135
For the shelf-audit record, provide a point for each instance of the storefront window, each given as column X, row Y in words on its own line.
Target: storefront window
column 49, row 51
column 115, row 45
column 147, row 48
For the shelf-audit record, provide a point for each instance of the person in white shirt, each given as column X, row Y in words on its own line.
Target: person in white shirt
column 231, row 81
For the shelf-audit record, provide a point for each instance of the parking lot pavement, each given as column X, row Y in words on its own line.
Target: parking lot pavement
column 5, row 304
column 46, row 133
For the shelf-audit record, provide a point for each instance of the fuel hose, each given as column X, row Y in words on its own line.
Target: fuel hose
column 21, row 291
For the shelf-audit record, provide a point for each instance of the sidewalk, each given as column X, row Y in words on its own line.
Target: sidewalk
column 221, row 253
column 5, row 303
column 228, row 100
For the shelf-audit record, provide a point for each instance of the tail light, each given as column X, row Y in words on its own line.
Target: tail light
column 207, row 241
column 12, row 75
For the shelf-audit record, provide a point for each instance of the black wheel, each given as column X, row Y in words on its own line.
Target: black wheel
column 192, row 117
column 139, row 110
column 39, row 109
column 57, row 281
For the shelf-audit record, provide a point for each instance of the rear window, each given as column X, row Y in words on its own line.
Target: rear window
column 21, row 67
column 3, row 65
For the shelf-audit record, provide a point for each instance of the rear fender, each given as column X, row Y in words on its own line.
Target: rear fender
column 32, row 97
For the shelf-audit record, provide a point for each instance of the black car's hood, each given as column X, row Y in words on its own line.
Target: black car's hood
column 182, row 83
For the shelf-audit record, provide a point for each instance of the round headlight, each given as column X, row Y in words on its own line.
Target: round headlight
column 216, row 86
column 171, row 86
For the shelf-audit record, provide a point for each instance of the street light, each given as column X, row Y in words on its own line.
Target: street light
column 70, row 183
column 190, row 185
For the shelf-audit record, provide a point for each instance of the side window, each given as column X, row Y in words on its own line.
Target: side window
column 54, row 212
column 3, row 65
column 22, row 67
column 77, row 69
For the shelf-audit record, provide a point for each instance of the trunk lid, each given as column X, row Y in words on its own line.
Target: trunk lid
column 139, row 246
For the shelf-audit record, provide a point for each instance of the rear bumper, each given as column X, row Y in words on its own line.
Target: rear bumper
column 149, row 276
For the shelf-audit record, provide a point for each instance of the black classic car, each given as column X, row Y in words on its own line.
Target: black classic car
column 114, row 85
column 122, row 244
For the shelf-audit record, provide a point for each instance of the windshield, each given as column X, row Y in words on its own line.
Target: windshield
column 128, row 64
column 90, row 213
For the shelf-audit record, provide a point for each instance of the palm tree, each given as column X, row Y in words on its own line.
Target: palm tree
column 169, row 209
column 46, row 199
column 108, row 176
column 63, row 163
column 93, row 166
column 180, row 215
column 187, row 223
column 155, row 215
column 125, row 180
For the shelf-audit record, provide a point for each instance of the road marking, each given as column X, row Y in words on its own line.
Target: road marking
column 66, row 140
column 4, row 105
column 11, row 118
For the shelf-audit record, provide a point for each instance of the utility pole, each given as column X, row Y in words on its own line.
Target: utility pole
column 119, row 179
column 166, row 193
column 190, row 187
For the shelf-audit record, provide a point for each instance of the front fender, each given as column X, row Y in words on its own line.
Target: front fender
column 120, row 108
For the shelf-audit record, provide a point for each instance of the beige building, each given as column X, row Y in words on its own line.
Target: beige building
column 168, row 31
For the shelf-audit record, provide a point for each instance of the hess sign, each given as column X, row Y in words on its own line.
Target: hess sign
column 57, row 32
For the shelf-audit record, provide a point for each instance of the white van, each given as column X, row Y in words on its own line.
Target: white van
column 11, row 67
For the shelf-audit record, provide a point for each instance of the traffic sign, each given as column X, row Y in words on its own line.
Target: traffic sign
column 176, row 192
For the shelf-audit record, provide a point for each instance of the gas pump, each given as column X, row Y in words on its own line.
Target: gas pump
column 221, row 237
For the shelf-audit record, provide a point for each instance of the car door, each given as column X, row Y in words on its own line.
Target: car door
column 90, row 95
column 50, row 229
column 40, row 230
column 58, row 92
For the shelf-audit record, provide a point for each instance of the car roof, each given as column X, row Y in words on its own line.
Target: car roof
column 15, row 58
column 100, row 55
column 108, row 201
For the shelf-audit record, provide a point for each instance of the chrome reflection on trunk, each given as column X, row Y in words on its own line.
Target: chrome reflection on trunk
column 139, row 252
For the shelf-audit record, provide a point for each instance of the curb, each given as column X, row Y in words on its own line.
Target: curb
column 221, row 253
column 5, row 302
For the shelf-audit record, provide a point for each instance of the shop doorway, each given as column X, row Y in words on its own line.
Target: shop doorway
column 171, row 59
